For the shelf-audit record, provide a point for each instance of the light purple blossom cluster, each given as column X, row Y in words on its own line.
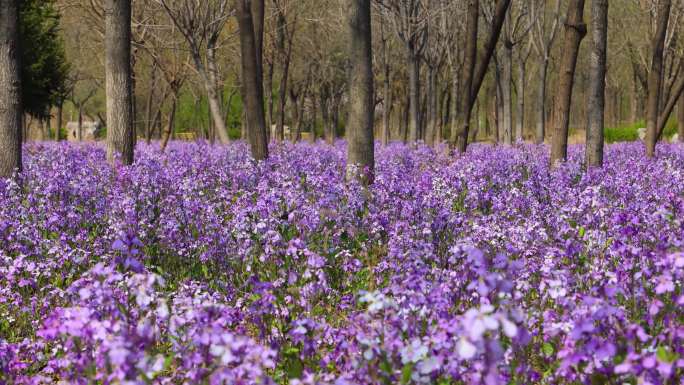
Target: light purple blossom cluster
column 201, row 266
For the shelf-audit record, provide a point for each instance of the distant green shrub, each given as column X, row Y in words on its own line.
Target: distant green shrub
column 630, row 132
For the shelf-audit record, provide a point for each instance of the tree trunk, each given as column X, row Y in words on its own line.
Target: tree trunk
column 79, row 131
column 414, row 95
column 506, row 80
column 60, row 116
column 282, row 100
column 257, row 11
column 405, row 119
column 575, row 30
column 655, row 78
column 476, row 121
column 148, row 104
column 432, row 110
column 120, row 132
column 455, row 104
column 541, row 103
column 285, row 54
column 48, row 128
column 212, row 97
column 254, row 101
column 520, row 113
column 213, row 72
column 328, row 132
column 463, row 115
column 296, row 115
column 499, row 107
column 170, row 123
column 677, row 90
column 387, row 104
column 268, row 88
column 680, row 118
column 635, row 106
column 597, row 83
column 335, row 115
column 314, row 116
column 360, row 143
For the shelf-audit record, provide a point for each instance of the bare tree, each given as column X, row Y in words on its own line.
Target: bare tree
column 597, row 83
column 575, row 30
column 386, row 83
column 544, row 37
column 120, row 132
column 164, row 47
column 517, row 24
column 253, row 89
column 523, row 42
column 201, row 23
column 360, row 157
column 10, row 90
column 435, row 55
column 474, row 73
column 409, row 20
column 285, row 36
column 462, row 116
column 655, row 77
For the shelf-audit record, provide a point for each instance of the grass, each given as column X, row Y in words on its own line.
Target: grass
column 630, row 132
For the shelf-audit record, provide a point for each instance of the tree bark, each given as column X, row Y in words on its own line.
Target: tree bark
column 498, row 106
column 414, row 95
column 387, row 103
column 677, row 90
column 541, row 103
column 477, row 73
column 79, row 130
column 575, row 30
column 476, row 121
column 254, row 101
column 455, row 103
column 60, row 116
column 258, row 13
column 360, row 145
column 506, row 80
column 500, row 13
column 285, row 53
column 597, row 83
column 655, row 78
column 680, row 118
column 314, row 116
column 635, row 105
column 148, row 103
column 405, row 116
column 296, row 115
column 463, row 113
column 120, row 132
column 431, row 130
column 282, row 99
column 328, row 131
column 520, row 113
column 170, row 123
column 268, row 89
column 212, row 95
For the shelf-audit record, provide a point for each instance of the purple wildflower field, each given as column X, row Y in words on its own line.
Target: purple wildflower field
column 199, row 266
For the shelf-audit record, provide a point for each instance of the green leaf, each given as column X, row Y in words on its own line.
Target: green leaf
column 406, row 372
column 547, row 348
column 582, row 231
column 665, row 355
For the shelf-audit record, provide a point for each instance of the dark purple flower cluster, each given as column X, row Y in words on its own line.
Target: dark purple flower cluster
column 201, row 266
